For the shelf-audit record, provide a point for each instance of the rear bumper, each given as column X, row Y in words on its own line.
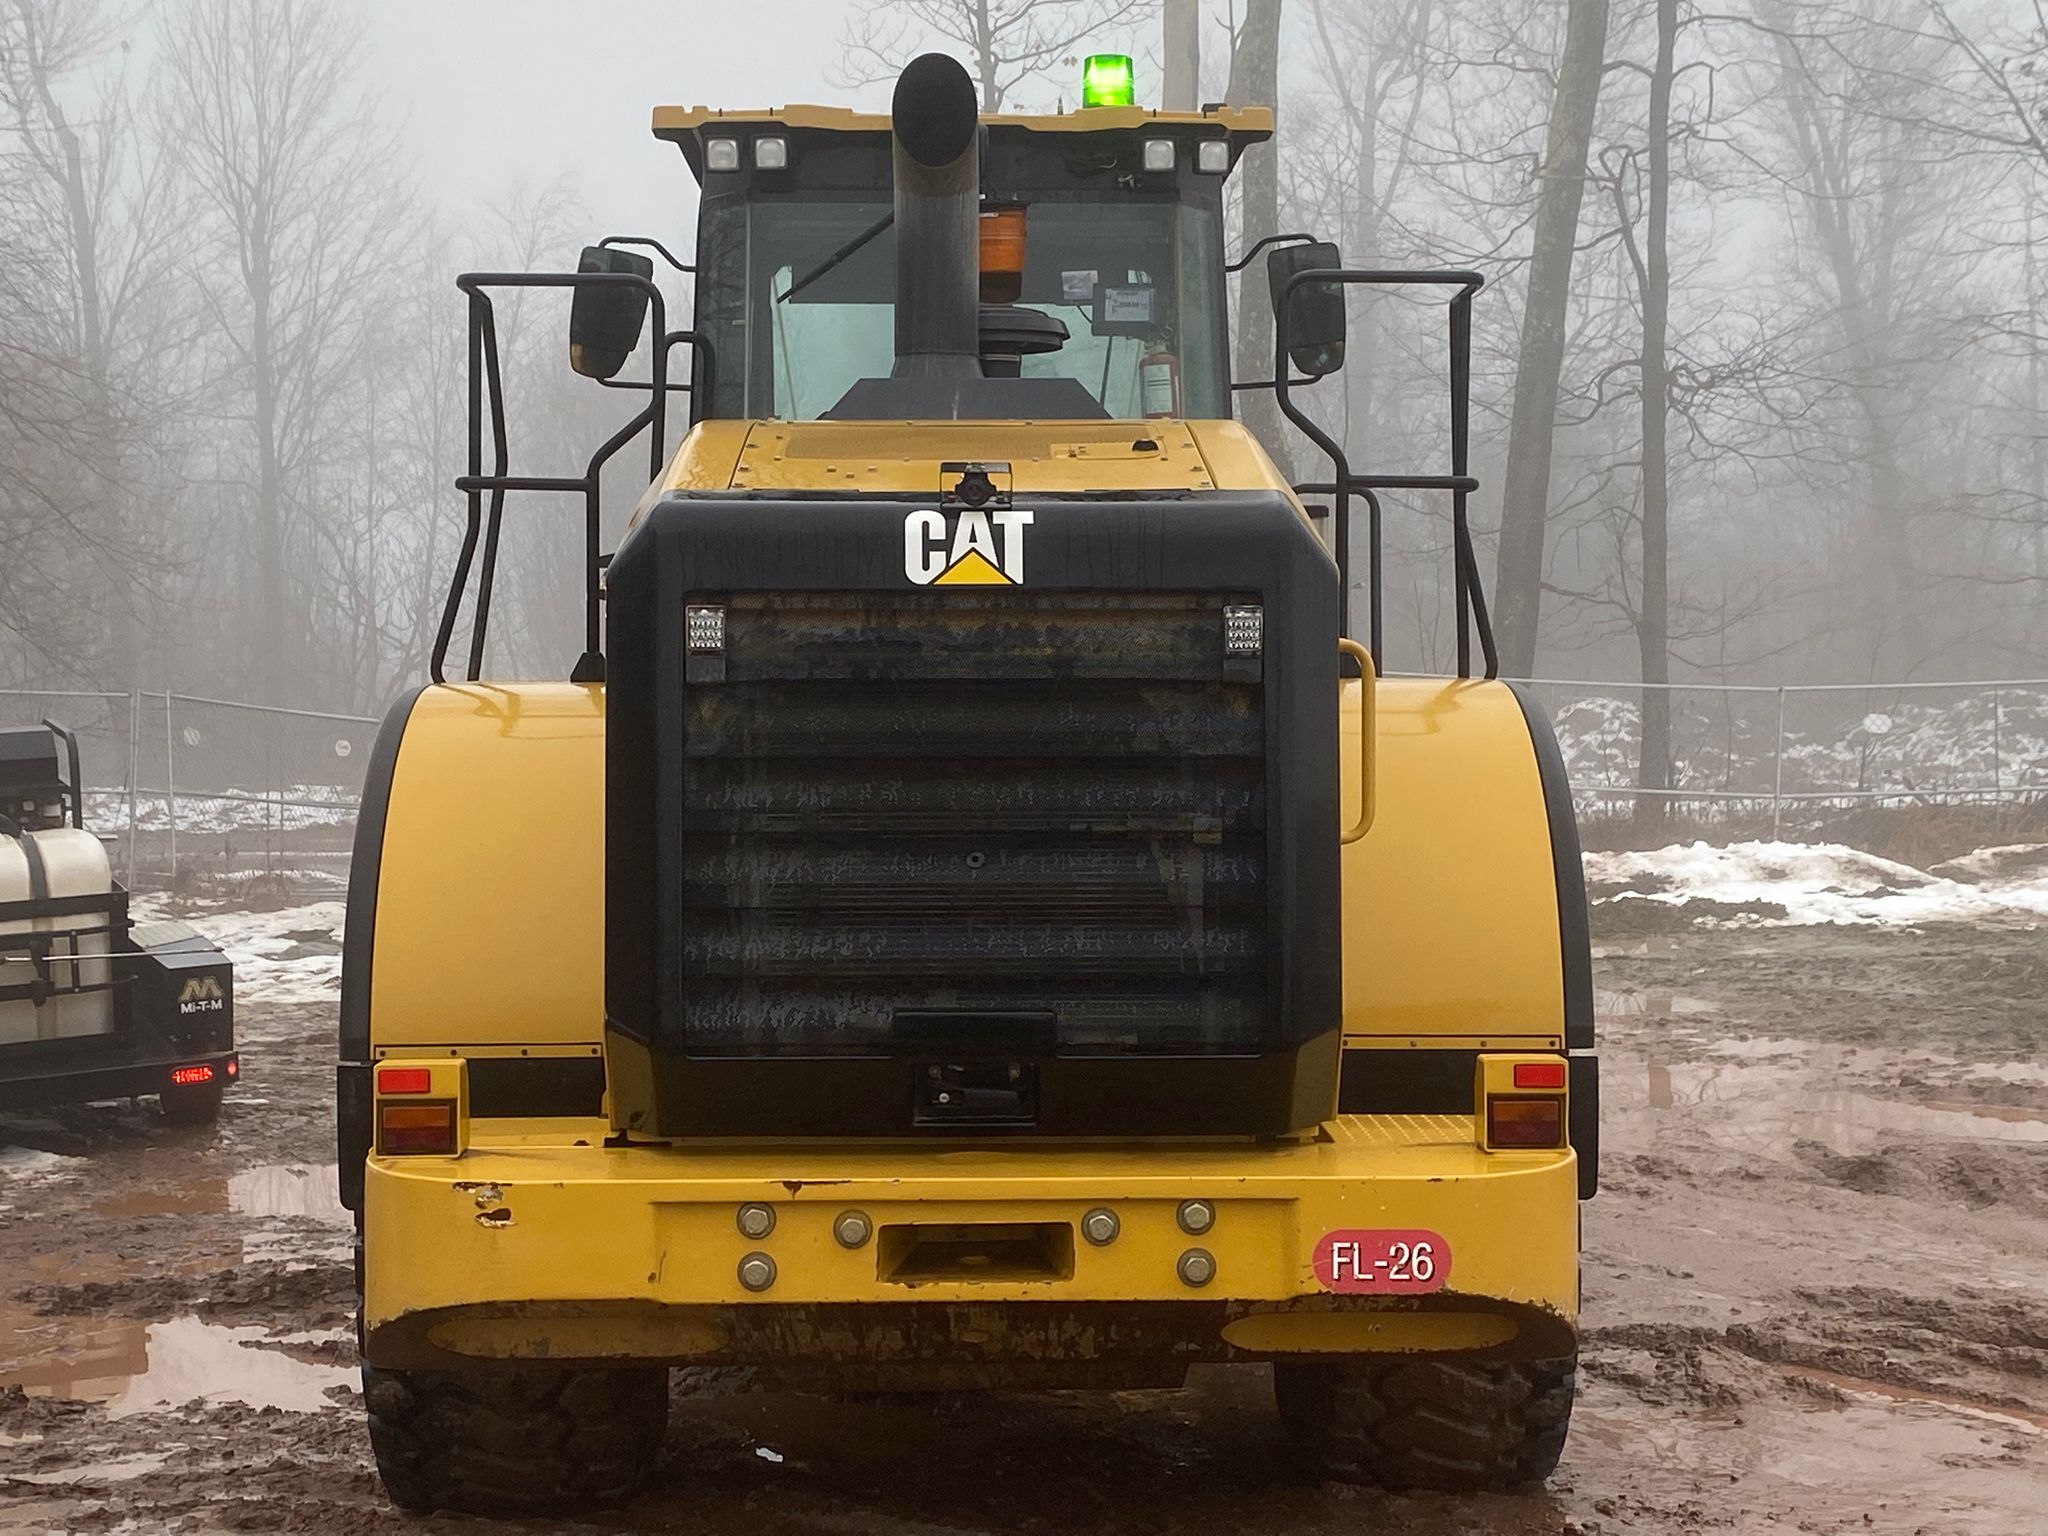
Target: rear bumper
column 24, row 1084
column 531, row 1250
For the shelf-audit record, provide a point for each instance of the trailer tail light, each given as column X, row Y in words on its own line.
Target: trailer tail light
column 1525, row 1122
column 1519, row 1103
column 427, row 1126
column 422, row 1107
column 191, row 1077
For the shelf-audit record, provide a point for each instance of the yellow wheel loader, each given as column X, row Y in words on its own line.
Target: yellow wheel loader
column 974, row 918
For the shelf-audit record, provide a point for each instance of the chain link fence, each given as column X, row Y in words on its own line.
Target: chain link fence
column 1797, row 750
column 197, row 793
column 205, row 794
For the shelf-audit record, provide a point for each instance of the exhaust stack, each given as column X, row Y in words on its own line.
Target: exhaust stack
column 936, row 130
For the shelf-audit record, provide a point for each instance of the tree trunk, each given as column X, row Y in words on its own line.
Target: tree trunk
column 985, row 59
column 1182, row 40
column 1255, row 81
column 122, row 649
column 272, row 667
column 1525, row 503
column 1653, row 627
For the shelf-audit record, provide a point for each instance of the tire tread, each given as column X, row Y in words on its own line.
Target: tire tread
column 515, row 1439
column 1437, row 1424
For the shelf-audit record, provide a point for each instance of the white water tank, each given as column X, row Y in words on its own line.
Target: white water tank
column 74, row 863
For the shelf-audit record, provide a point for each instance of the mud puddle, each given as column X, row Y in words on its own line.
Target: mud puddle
column 1770, row 1096
column 136, row 1367
column 1863, row 1387
column 1652, row 1002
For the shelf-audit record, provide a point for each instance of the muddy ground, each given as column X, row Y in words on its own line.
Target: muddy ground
column 1816, row 1286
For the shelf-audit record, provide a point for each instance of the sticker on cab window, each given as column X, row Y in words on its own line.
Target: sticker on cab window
column 1126, row 306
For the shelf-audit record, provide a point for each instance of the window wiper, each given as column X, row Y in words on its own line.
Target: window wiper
column 839, row 255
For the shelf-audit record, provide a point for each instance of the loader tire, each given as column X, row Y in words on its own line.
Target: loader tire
column 191, row 1104
column 515, row 1439
column 1438, row 1424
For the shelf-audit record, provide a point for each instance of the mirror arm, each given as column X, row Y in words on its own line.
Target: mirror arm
column 1246, row 259
column 653, row 245
column 1301, row 383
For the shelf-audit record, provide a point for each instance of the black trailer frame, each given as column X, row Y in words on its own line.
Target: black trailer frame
column 173, row 999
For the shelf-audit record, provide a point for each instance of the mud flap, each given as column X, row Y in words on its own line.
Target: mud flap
column 1584, row 1130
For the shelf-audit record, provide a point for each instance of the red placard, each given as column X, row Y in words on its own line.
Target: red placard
column 1383, row 1261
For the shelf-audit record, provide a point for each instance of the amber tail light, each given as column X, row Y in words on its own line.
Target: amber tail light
column 427, row 1127
column 1520, row 1121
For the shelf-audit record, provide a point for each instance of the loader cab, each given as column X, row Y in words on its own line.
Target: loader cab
column 1102, row 256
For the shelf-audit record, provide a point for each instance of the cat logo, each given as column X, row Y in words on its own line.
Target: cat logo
column 202, row 994
column 979, row 549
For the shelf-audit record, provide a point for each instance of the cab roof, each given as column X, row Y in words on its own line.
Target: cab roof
column 1242, row 126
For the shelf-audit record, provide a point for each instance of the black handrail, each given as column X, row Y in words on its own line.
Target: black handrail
column 75, row 782
column 1471, row 596
column 486, row 384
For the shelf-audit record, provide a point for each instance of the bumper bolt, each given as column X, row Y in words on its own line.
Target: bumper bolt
column 757, row 1272
column 853, row 1229
column 1197, row 1267
column 756, row 1221
column 1100, row 1226
column 1195, row 1217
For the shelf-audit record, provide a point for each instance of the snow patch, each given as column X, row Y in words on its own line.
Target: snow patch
column 291, row 955
column 1814, row 883
column 29, row 1163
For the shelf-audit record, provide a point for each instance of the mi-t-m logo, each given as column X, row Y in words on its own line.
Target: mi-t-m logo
column 969, row 548
column 202, row 994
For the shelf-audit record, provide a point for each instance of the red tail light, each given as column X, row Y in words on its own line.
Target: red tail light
column 1530, row 1122
column 188, row 1077
column 1539, row 1074
column 404, row 1080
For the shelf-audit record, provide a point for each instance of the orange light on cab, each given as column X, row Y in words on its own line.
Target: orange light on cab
column 1002, row 253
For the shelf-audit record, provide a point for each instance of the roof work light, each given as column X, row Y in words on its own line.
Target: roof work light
column 1106, row 81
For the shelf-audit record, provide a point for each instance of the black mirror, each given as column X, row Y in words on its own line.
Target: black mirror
column 1315, row 311
column 605, row 318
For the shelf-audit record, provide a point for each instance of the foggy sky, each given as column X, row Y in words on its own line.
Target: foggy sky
column 502, row 91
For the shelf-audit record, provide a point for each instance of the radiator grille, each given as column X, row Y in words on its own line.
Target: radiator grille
column 1047, row 803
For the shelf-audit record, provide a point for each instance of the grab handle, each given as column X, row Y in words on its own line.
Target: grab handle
column 1368, row 733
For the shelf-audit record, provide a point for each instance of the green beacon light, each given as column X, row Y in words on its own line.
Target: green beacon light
column 1106, row 81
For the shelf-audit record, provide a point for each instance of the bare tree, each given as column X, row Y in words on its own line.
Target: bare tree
column 1652, row 265
column 90, row 212
column 1255, row 81
column 1008, row 44
column 1525, row 504
column 300, row 204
